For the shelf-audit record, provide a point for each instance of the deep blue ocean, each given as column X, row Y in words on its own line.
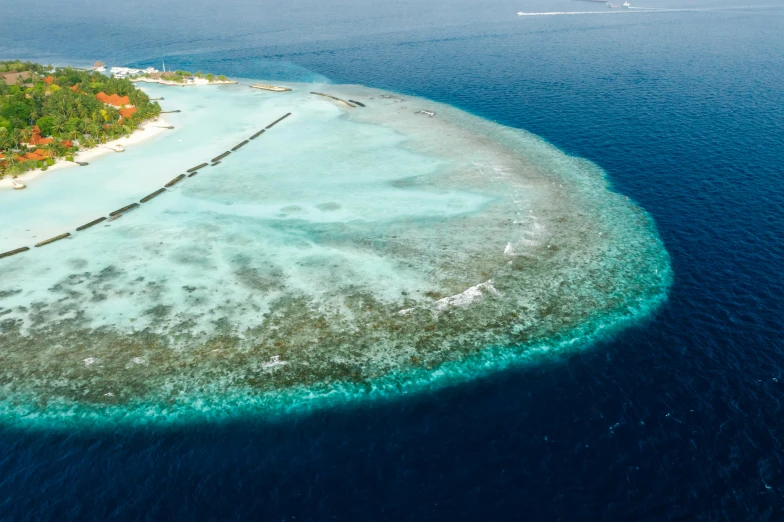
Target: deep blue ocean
column 679, row 418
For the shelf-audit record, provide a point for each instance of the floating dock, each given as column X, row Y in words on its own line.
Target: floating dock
column 148, row 197
column 125, row 208
column 91, row 223
column 257, row 135
column 278, row 120
column 333, row 97
column 239, row 145
column 197, row 167
column 218, row 158
column 175, row 181
column 273, row 88
column 53, row 239
column 14, row 252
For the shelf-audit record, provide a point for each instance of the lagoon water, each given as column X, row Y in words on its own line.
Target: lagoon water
column 340, row 255
column 674, row 416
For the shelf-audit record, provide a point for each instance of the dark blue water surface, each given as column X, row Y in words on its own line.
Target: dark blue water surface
column 680, row 418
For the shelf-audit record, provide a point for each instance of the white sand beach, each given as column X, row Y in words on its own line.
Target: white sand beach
column 146, row 131
column 195, row 83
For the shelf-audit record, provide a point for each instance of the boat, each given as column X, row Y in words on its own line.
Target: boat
column 626, row 4
column 18, row 185
column 273, row 88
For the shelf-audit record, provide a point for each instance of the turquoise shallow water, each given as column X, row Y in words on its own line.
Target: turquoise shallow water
column 346, row 253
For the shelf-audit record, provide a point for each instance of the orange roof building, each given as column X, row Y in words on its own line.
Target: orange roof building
column 127, row 112
column 36, row 139
column 114, row 99
column 34, row 157
column 49, row 80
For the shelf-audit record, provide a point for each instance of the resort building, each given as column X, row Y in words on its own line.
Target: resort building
column 114, row 100
column 126, row 72
column 13, row 77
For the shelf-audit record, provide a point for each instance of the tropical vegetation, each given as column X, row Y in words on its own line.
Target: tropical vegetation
column 183, row 76
column 60, row 103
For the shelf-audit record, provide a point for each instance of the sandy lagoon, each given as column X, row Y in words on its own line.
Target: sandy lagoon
column 345, row 254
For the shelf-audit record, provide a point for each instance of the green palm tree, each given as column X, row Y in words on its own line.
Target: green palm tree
column 26, row 134
column 58, row 126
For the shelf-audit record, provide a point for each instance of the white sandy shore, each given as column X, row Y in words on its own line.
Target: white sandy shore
column 196, row 83
column 146, row 131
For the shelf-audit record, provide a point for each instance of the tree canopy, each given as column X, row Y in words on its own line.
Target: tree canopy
column 61, row 102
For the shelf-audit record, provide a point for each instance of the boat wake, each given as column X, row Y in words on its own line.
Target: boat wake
column 555, row 13
column 633, row 9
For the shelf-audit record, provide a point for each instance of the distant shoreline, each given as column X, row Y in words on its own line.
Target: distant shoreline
column 196, row 83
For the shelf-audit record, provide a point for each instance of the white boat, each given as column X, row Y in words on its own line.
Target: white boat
column 626, row 4
column 18, row 185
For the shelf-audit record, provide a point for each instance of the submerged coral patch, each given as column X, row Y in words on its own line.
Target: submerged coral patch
column 350, row 253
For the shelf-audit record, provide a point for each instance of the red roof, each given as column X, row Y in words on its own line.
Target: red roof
column 67, row 144
column 75, row 88
column 36, row 139
column 33, row 156
column 114, row 99
column 49, row 80
column 127, row 112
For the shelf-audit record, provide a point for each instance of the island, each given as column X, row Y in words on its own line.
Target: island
column 280, row 253
column 182, row 78
column 49, row 113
